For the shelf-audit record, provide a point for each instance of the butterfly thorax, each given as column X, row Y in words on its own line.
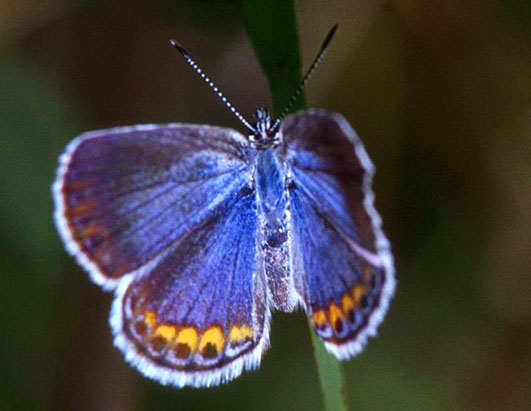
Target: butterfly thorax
column 264, row 135
column 270, row 182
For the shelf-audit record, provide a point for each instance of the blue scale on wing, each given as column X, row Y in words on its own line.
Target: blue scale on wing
column 323, row 159
column 326, row 190
column 336, row 268
column 330, row 265
column 132, row 194
column 207, row 297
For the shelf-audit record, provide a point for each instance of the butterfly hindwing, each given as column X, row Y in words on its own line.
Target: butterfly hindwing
column 124, row 195
column 200, row 316
column 341, row 260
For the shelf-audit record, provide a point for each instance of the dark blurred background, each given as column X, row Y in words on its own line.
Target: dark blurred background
column 440, row 92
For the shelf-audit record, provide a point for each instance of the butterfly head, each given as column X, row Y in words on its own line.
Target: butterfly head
column 263, row 135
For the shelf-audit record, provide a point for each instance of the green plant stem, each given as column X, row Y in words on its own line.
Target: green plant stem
column 272, row 28
column 330, row 375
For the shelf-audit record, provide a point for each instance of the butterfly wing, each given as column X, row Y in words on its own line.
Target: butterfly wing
column 166, row 216
column 124, row 195
column 200, row 316
column 342, row 263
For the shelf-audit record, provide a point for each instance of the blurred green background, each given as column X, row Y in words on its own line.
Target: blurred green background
column 440, row 92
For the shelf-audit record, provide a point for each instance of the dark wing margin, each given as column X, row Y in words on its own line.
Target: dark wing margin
column 342, row 262
column 123, row 196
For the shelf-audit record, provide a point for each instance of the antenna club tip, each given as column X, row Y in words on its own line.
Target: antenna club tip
column 328, row 38
column 178, row 47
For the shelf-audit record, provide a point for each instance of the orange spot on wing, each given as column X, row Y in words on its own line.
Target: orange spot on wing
column 239, row 333
column 165, row 331
column 188, row 336
column 80, row 184
column 92, row 229
column 213, row 336
column 347, row 303
column 334, row 313
column 246, row 331
column 357, row 293
column 83, row 208
column 319, row 317
column 150, row 318
column 235, row 334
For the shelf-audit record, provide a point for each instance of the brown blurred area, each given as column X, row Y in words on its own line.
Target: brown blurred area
column 440, row 92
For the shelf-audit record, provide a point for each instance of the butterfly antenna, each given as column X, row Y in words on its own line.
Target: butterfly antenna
column 316, row 61
column 211, row 84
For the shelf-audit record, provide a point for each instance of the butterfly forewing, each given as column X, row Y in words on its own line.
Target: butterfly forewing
column 124, row 195
column 342, row 265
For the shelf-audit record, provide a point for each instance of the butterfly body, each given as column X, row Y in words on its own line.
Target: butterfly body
column 201, row 232
column 272, row 195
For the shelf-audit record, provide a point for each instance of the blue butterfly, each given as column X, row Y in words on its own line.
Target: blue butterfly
column 201, row 231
